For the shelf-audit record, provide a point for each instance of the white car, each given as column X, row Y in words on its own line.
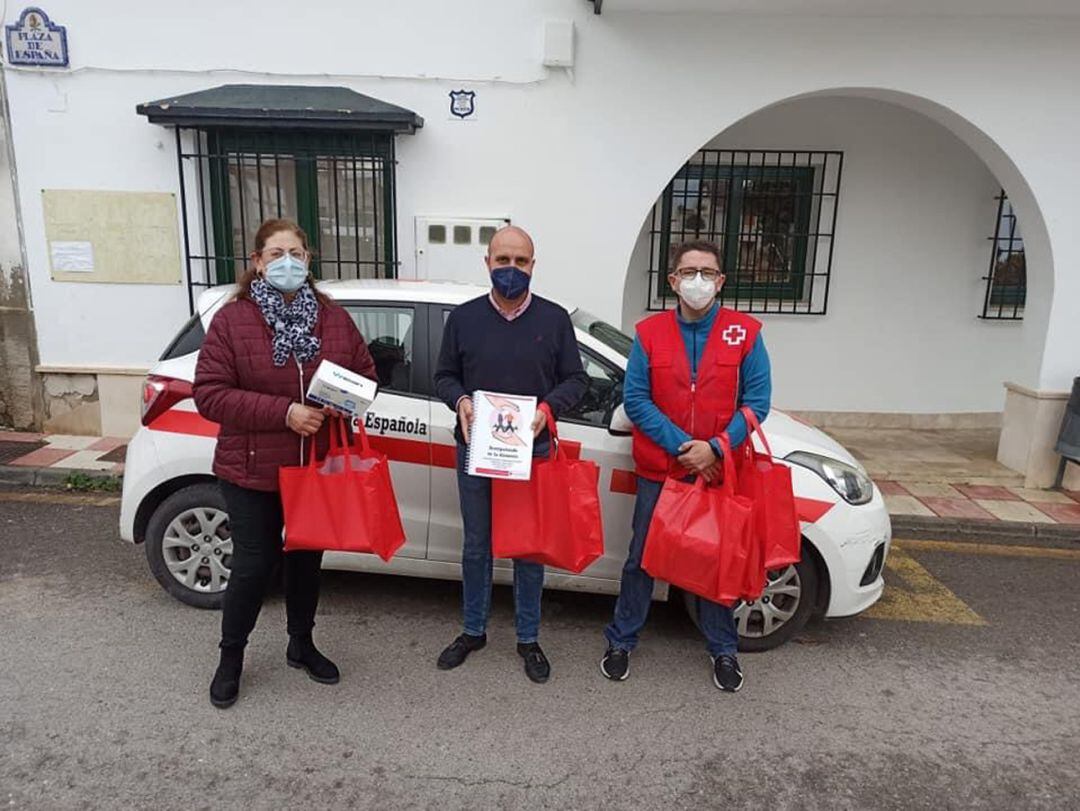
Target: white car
column 171, row 501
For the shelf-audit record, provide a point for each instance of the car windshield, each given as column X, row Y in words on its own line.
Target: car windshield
column 602, row 331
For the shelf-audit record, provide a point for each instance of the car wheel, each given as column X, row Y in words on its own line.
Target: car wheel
column 781, row 612
column 189, row 547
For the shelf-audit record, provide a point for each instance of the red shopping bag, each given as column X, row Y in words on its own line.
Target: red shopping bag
column 768, row 485
column 345, row 503
column 555, row 517
column 701, row 537
column 754, row 576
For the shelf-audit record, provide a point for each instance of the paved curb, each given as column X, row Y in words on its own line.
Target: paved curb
column 917, row 527
column 48, row 477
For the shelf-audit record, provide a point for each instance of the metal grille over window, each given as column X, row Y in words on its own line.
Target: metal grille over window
column 338, row 186
column 773, row 215
column 1006, row 283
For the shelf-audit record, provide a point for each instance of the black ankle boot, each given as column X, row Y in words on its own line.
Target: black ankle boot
column 302, row 653
column 225, row 686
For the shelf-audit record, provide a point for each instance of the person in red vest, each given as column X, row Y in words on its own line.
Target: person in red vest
column 690, row 371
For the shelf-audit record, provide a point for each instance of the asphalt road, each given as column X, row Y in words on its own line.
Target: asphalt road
column 103, row 682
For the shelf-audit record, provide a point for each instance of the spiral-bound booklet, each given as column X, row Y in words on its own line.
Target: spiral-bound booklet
column 500, row 435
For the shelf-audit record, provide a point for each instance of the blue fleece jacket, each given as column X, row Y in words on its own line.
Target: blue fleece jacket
column 755, row 388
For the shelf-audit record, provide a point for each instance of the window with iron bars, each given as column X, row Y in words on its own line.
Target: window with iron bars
column 771, row 212
column 1006, row 282
column 338, row 186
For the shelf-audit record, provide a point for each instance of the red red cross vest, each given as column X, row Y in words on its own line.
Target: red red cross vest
column 703, row 408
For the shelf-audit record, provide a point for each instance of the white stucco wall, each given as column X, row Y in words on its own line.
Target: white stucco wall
column 911, row 248
column 579, row 158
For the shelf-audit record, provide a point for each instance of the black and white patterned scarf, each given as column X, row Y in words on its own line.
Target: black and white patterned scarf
column 292, row 323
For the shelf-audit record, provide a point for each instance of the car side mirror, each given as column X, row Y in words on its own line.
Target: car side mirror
column 620, row 424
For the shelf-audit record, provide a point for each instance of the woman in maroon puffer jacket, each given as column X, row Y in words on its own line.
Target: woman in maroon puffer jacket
column 254, row 367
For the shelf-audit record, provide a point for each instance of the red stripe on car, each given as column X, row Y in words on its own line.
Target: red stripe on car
column 175, row 421
column 402, row 450
column 811, row 510
column 623, row 481
column 443, row 456
column 419, row 452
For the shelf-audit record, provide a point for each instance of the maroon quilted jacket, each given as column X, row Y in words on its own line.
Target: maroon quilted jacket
column 238, row 387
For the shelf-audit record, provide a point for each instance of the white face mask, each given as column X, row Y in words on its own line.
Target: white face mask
column 697, row 292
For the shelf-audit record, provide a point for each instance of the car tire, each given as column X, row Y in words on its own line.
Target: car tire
column 804, row 574
column 197, row 514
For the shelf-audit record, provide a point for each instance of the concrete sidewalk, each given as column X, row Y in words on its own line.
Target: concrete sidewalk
column 954, row 475
column 935, row 483
column 945, row 483
column 50, row 460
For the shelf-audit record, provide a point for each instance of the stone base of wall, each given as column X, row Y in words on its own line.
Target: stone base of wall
column 89, row 402
column 1029, row 431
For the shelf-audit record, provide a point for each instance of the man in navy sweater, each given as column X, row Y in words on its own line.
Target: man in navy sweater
column 690, row 372
column 511, row 342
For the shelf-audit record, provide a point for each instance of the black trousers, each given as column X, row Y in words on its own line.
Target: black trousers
column 256, row 521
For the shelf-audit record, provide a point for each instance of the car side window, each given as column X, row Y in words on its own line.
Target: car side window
column 388, row 332
column 603, row 396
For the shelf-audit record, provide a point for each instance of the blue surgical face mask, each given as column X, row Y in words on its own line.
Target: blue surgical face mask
column 287, row 273
column 510, row 282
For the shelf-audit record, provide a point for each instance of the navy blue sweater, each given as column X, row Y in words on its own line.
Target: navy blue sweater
column 536, row 355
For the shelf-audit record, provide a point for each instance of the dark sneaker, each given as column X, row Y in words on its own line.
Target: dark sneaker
column 537, row 667
column 303, row 654
column 459, row 649
column 225, row 687
column 727, row 674
column 616, row 664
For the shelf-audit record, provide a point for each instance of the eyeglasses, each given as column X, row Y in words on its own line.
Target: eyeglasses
column 708, row 274
column 276, row 253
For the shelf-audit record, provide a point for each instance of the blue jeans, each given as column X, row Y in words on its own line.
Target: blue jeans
column 475, row 495
column 635, row 592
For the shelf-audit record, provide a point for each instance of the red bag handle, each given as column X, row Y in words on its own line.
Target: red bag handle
column 359, row 433
column 312, row 461
column 728, row 484
column 339, row 441
column 755, row 427
column 553, row 449
column 343, row 438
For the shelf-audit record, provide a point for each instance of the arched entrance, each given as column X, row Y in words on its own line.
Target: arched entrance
column 900, row 336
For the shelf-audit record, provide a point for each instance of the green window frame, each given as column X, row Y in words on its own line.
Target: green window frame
column 772, row 214
column 334, row 172
column 728, row 231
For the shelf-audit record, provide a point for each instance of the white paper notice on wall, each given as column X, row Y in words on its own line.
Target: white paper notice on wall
column 72, row 257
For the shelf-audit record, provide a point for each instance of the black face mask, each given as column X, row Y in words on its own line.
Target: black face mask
column 510, row 282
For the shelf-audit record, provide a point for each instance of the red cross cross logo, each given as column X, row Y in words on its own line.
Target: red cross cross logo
column 734, row 335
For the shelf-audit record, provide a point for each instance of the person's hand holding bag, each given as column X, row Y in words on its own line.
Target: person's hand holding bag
column 698, row 457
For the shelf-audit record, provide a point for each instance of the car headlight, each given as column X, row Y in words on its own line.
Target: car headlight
column 853, row 485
